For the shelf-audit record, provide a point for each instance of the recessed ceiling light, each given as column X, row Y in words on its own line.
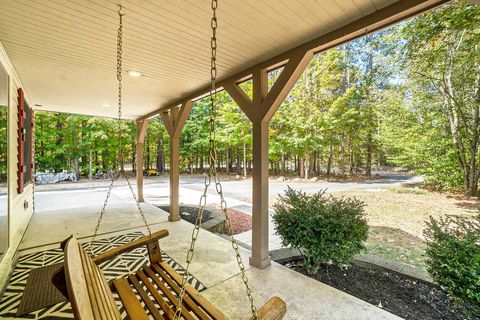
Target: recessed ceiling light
column 134, row 73
column 105, row 105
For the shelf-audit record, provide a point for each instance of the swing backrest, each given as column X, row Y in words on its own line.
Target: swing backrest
column 88, row 289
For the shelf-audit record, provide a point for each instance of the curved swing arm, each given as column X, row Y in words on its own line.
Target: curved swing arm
column 274, row 309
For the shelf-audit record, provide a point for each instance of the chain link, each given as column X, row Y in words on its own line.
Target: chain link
column 212, row 173
column 121, row 134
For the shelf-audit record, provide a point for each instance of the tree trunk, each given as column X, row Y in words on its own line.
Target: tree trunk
column 219, row 161
column 90, row 169
column 104, row 160
column 319, row 162
column 83, row 158
column 134, row 155
column 370, row 120
column 147, row 152
column 244, row 159
column 59, row 127
column 75, row 154
column 342, row 154
column 239, row 168
column 330, row 160
column 307, row 166
column 282, row 168
column 302, row 167
column 351, row 156
column 227, row 160
column 160, row 154
column 368, row 169
column 201, row 160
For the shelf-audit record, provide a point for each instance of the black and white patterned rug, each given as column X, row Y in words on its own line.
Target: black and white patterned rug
column 122, row 265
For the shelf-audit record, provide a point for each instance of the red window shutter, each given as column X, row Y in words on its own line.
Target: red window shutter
column 20, row 141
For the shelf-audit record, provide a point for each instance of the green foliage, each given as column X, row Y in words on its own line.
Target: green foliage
column 407, row 96
column 324, row 228
column 453, row 256
column 440, row 57
column 63, row 139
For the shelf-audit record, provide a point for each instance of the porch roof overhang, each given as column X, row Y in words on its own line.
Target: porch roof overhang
column 64, row 51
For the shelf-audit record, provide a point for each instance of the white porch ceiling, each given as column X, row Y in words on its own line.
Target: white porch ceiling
column 65, row 51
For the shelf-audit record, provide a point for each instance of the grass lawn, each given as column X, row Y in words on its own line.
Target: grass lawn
column 397, row 219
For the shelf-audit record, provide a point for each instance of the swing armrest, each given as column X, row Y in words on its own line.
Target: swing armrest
column 145, row 240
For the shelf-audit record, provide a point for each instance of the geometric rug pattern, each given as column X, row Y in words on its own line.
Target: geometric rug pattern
column 122, row 265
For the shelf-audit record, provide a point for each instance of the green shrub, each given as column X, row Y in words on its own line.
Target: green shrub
column 453, row 256
column 324, row 228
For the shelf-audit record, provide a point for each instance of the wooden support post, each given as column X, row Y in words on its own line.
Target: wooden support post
column 174, row 120
column 264, row 105
column 174, row 179
column 142, row 126
column 260, row 257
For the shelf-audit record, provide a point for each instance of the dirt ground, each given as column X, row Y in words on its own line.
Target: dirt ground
column 397, row 219
column 408, row 209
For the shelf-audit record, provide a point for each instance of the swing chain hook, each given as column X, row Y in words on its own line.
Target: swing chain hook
column 212, row 173
column 120, row 13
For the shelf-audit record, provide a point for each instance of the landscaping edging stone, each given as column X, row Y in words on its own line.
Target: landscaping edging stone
column 285, row 255
column 379, row 263
column 216, row 223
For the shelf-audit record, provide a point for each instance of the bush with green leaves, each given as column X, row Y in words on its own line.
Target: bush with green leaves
column 453, row 256
column 324, row 228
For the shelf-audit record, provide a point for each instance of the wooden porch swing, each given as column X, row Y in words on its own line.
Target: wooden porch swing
column 85, row 286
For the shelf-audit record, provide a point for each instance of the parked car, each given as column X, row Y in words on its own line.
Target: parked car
column 150, row 172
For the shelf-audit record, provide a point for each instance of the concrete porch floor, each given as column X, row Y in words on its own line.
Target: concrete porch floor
column 214, row 263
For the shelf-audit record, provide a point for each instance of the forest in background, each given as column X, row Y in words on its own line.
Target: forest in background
column 406, row 96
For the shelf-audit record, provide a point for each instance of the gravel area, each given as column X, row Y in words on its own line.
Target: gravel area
column 241, row 222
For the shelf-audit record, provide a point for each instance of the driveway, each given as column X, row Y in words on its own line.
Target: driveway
column 237, row 193
column 242, row 189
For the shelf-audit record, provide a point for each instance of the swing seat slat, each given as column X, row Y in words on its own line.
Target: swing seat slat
column 158, row 284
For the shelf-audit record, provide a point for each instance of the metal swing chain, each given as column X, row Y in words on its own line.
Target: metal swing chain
column 212, row 172
column 121, row 133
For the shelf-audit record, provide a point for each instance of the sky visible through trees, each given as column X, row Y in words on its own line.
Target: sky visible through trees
column 406, row 96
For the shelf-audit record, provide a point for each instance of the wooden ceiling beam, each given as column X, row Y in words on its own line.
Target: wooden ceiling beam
column 377, row 20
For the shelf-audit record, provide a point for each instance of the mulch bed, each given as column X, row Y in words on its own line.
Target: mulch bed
column 390, row 291
column 241, row 222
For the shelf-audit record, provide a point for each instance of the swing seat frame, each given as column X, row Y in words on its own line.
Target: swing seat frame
column 84, row 285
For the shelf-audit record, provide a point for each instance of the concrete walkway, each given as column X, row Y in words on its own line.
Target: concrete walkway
column 73, row 212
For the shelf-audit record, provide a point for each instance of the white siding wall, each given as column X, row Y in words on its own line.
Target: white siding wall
column 18, row 216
